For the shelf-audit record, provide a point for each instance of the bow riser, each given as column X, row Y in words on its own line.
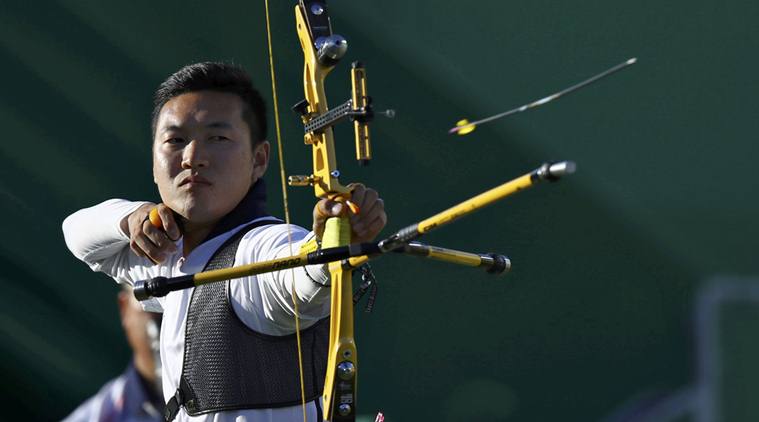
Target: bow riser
column 324, row 178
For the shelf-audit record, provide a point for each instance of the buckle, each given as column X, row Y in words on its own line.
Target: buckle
column 190, row 406
column 178, row 396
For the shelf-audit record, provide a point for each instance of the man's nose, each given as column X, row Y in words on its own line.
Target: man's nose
column 194, row 155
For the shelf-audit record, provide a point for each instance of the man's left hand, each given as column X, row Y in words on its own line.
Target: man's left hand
column 366, row 224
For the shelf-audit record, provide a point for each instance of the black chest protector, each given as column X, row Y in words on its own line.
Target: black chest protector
column 228, row 366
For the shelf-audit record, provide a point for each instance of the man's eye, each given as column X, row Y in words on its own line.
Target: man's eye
column 175, row 141
column 218, row 138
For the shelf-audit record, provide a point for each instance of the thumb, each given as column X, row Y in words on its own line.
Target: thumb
column 324, row 210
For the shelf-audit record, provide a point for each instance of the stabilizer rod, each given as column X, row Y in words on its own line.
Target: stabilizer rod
column 492, row 263
column 547, row 172
column 355, row 254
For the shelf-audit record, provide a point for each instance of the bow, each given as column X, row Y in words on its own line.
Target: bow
column 321, row 52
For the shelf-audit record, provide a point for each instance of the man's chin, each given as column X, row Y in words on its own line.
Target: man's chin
column 200, row 208
column 200, row 214
column 193, row 211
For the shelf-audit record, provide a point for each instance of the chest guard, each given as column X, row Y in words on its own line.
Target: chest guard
column 229, row 366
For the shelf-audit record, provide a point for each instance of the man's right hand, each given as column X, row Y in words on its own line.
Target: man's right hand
column 147, row 240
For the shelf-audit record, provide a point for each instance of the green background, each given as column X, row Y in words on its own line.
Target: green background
column 597, row 309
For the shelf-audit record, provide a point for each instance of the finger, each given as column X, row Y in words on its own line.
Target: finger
column 169, row 222
column 142, row 246
column 377, row 225
column 327, row 208
column 368, row 215
column 321, row 214
column 319, row 217
column 137, row 218
column 324, row 210
column 369, row 231
column 366, row 226
column 370, row 197
column 136, row 249
column 333, row 208
column 372, row 213
column 159, row 238
column 152, row 243
column 139, row 243
column 357, row 193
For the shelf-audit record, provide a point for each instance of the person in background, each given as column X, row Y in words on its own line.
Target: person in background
column 135, row 395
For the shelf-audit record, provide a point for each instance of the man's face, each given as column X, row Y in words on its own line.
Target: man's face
column 203, row 161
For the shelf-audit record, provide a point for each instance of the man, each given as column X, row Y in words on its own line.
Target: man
column 135, row 395
column 228, row 349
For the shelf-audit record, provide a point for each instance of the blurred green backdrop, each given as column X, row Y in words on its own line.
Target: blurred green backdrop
column 598, row 306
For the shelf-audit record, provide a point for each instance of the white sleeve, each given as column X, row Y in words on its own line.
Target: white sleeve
column 265, row 302
column 94, row 236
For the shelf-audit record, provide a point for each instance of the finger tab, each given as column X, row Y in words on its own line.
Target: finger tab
column 353, row 207
column 155, row 219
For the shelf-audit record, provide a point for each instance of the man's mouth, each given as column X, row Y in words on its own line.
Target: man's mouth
column 194, row 181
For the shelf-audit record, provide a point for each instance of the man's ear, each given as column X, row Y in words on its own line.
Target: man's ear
column 260, row 159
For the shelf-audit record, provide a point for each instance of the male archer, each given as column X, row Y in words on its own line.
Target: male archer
column 228, row 349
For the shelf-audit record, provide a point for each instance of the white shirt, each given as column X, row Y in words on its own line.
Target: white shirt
column 263, row 302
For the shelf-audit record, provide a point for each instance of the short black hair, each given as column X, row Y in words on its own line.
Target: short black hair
column 220, row 77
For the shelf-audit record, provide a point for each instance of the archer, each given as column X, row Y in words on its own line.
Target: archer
column 228, row 348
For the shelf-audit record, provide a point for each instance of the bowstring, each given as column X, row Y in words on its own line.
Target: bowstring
column 286, row 208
